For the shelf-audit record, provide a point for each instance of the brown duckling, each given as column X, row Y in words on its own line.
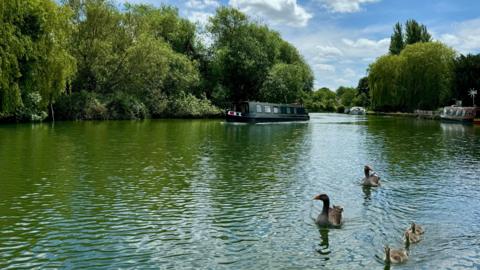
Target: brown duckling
column 328, row 216
column 395, row 255
column 411, row 238
column 416, row 229
column 371, row 178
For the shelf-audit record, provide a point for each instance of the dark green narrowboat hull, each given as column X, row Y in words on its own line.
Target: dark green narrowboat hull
column 260, row 119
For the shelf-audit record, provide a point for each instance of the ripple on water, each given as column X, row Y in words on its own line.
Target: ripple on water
column 202, row 194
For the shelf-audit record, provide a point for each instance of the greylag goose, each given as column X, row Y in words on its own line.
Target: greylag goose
column 328, row 216
column 371, row 178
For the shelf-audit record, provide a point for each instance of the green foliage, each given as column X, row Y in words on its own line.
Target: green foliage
column 89, row 59
column 384, row 81
column 427, row 75
column 347, row 96
column 419, row 78
column 286, row 82
column 322, row 100
column 414, row 32
column 124, row 106
column 31, row 109
column 397, row 39
column 247, row 60
column 467, row 76
column 33, row 53
column 163, row 23
column 81, row 105
column 138, row 52
column 363, row 96
column 187, row 105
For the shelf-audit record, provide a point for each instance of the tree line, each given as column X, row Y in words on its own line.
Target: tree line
column 419, row 73
column 95, row 59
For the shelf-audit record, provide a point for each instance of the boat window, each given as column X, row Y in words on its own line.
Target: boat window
column 283, row 110
column 275, row 109
column 301, row 110
column 291, row 110
column 268, row 109
column 259, row 108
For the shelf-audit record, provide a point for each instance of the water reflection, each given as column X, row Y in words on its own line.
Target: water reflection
column 323, row 248
column 367, row 191
column 204, row 194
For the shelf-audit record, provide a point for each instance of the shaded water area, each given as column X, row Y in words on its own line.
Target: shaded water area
column 203, row 194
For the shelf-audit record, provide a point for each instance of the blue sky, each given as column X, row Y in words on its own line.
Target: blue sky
column 340, row 38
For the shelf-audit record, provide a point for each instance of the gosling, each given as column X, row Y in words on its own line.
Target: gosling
column 416, row 229
column 395, row 255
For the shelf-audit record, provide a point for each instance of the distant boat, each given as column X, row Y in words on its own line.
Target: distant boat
column 458, row 113
column 357, row 111
column 252, row 112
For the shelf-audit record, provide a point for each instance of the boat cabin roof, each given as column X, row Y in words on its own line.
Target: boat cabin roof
column 254, row 103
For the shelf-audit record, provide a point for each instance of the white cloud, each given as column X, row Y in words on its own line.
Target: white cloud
column 324, row 67
column 199, row 17
column 338, row 57
column 202, row 4
column 286, row 12
column 328, row 51
column 464, row 36
column 345, row 6
column 364, row 43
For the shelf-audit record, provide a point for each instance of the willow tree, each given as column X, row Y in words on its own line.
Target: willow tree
column 419, row 78
column 386, row 91
column 35, row 60
column 427, row 75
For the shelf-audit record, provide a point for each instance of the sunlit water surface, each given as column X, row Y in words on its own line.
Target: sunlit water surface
column 203, row 194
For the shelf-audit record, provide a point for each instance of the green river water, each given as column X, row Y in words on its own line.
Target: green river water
column 204, row 194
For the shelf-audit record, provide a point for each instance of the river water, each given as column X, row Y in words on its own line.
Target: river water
column 203, row 194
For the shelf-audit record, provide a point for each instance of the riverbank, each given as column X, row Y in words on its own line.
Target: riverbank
column 432, row 115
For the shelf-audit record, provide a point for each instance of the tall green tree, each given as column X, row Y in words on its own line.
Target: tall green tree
column 321, row 100
column 286, row 83
column 415, row 32
column 419, row 78
column 363, row 93
column 467, row 77
column 35, row 60
column 427, row 75
column 141, row 50
column 385, row 86
column 245, row 55
column 397, row 39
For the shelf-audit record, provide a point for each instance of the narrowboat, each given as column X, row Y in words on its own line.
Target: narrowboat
column 254, row 112
column 456, row 113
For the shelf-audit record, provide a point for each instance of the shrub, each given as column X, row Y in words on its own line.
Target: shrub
column 30, row 111
column 187, row 105
column 80, row 106
column 124, row 106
